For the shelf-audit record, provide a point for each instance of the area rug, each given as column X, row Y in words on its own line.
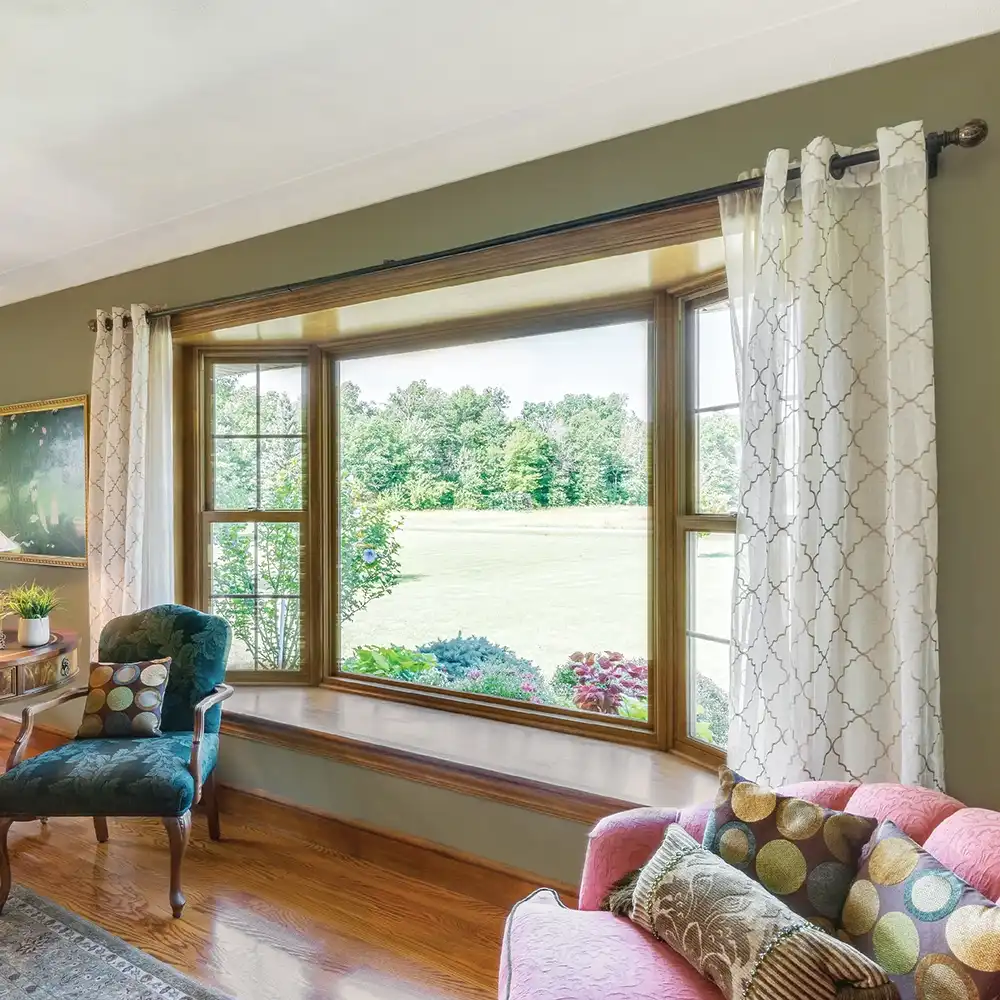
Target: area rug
column 48, row 953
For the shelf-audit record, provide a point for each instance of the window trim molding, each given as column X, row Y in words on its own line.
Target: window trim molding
column 668, row 227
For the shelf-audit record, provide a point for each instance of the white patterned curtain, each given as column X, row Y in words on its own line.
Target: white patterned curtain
column 835, row 652
column 130, row 502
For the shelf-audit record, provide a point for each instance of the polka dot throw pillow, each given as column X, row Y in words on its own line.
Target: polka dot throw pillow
column 124, row 699
column 800, row 852
column 936, row 936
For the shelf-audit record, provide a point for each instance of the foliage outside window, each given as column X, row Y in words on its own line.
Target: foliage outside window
column 512, row 501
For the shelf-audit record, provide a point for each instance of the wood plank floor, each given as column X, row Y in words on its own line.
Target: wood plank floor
column 268, row 915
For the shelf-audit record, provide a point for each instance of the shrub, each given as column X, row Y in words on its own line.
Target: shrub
column 456, row 657
column 599, row 682
column 369, row 550
column 502, row 680
column 396, row 662
column 634, row 708
column 712, row 711
column 434, row 677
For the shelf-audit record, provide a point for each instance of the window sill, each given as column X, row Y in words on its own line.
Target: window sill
column 560, row 774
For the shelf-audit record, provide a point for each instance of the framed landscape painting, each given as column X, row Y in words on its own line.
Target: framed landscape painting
column 43, row 482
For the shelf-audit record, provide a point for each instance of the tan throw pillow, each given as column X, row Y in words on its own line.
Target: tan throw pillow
column 795, row 849
column 746, row 941
column 125, row 699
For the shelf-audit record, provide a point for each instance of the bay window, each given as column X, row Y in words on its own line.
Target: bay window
column 528, row 516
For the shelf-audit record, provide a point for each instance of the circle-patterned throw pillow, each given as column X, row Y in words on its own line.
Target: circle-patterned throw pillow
column 800, row 852
column 936, row 936
column 124, row 699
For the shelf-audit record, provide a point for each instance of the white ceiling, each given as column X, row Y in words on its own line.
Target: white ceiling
column 135, row 131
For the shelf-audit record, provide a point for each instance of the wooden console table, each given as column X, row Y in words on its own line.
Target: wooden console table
column 27, row 670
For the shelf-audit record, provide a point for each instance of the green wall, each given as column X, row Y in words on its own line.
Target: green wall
column 45, row 345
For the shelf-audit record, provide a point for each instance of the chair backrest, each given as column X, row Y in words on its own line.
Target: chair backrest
column 198, row 645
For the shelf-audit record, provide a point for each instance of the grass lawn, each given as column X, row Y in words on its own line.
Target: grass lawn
column 544, row 583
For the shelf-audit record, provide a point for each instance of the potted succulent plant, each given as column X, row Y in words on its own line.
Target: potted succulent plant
column 34, row 604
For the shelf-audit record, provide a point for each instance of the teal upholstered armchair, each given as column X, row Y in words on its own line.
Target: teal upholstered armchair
column 162, row 776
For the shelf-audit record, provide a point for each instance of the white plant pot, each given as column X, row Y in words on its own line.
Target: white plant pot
column 33, row 631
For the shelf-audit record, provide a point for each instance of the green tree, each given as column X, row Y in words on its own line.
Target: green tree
column 262, row 560
column 369, row 549
column 718, row 463
column 528, row 463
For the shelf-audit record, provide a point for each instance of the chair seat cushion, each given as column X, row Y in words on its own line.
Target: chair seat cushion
column 107, row 777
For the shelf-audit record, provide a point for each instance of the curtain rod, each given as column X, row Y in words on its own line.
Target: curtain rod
column 972, row 133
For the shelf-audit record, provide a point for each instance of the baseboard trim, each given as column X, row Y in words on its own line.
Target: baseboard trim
column 483, row 879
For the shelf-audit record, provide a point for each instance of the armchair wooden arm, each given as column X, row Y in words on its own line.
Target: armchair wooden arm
column 219, row 694
column 28, row 722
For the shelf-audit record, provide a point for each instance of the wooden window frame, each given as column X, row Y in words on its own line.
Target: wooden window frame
column 671, row 458
column 688, row 519
column 672, row 485
column 641, row 307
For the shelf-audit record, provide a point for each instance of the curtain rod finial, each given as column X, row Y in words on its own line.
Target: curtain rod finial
column 972, row 133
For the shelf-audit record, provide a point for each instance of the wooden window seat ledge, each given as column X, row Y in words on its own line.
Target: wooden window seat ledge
column 560, row 774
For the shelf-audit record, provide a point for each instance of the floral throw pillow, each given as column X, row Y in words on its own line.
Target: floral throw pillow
column 936, row 936
column 799, row 851
column 741, row 937
column 124, row 699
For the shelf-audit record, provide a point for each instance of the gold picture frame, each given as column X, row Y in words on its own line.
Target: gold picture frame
column 43, row 505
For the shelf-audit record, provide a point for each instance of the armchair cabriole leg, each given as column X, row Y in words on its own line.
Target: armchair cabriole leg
column 210, row 796
column 101, row 829
column 5, row 823
column 178, row 831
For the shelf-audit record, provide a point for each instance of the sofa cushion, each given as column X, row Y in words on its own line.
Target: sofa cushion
column 968, row 842
column 805, row 854
column 107, row 777
column 916, row 811
column 554, row 952
column 933, row 933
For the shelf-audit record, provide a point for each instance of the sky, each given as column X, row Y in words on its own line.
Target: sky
column 600, row 360
column 543, row 368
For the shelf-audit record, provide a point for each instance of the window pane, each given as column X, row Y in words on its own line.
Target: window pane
column 716, row 365
column 234, row 398
column 234, row 471
column 261, row 561
column 494, row 528
column 281, row 482
column 708, row 711
column 258, row 437
column 281, row 410
column 718, row 466
column 711, row 565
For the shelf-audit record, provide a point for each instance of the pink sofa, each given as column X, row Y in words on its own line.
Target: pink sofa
column 554, row 953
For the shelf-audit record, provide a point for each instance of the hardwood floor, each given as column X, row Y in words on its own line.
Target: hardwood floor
column 268, row 915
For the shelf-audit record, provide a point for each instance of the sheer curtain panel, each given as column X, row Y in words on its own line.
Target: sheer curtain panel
column 131, row 509
column 835, row 652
